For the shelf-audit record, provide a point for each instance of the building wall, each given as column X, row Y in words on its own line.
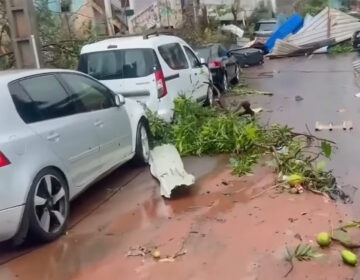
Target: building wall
column 161, row 13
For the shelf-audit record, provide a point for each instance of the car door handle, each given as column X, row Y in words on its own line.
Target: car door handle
column 98, row 123
column 53, row 136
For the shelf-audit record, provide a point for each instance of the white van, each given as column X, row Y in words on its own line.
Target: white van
column 152, row 69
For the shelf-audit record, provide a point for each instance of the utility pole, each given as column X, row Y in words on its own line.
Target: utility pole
column 108, row 14
column 24, row 37
column 196, row 18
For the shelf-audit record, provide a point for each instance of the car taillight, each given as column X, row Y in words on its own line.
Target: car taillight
column 160, row 83
column 214, row 64
column 3, row 160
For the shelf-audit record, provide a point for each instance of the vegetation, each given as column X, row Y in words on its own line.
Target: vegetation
column 344, row 47
column 60, row 46
column 198, row 130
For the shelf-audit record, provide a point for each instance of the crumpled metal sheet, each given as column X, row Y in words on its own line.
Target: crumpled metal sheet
column 167, row 166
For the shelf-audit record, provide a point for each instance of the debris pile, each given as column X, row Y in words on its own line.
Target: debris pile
column 198, row 130
column 327, row 28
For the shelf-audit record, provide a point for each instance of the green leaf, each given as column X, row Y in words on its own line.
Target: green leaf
column 326, row 148
column 305, row 252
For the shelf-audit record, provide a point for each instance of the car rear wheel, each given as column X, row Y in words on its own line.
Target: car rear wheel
column 48, row 204
column 237, row 75
column 225, row 85
column 142, row 150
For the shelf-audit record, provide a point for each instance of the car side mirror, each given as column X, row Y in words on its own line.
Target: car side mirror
column 203, row 61
column 119, row 100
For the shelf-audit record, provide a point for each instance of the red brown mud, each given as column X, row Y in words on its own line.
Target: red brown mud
column 225, row 227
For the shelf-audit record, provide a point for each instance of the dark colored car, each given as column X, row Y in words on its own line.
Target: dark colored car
column 222, row 64
column 265, row 28
column 356, row 40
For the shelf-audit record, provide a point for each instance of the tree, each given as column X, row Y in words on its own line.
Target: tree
column 235, row 9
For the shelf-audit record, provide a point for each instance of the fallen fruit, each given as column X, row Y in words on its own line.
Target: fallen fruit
column 156, row 254
column 349, row 257
column 295, row 179
column 323, row 239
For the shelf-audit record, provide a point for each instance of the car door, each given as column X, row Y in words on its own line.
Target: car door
column 199, row 75
column 110, row 122
column 70, row 135
column 176, row 70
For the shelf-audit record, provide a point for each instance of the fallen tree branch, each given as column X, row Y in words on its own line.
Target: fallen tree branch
column 295, row 134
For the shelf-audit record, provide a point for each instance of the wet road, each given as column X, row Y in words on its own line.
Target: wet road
column 327, row 85
column 226, row 227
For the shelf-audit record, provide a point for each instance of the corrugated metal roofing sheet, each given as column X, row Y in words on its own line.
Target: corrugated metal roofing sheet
column 342, row 27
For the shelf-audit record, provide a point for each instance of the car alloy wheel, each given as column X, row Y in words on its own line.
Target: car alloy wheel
column 50, row 204
column 225, row 83
column 237, row 74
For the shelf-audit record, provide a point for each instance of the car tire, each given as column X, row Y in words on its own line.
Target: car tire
column 225, row 83
column 212, row 96
column 142, row 148
column 237, row 75
column 48, row 206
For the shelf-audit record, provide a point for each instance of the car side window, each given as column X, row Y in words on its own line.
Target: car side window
column 41, row 98
column 88, row 94
column 174, row 56
column 195, row 63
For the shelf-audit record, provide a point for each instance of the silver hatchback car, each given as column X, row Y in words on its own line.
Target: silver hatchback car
column 60, row 132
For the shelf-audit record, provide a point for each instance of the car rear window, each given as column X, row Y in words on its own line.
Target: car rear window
column 119, row 64
column 266, row 26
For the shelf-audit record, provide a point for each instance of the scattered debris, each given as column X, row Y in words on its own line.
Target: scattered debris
column 136, row 252
column 342, row 110
column 243, row 89
column 166, row 165
column 346, row 125
column 314, row 35
column 220, row 220
column 298, row 236
column 357, row 95
column 299, row 98
column 303, row 252
column 156, row 254
column 257, row 110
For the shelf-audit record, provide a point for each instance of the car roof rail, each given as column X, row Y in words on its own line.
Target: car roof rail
column 157, row 31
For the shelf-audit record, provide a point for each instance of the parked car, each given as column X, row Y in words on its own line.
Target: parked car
column 60, row 132
column 248, row 56
column 153, row 69
column 222, row 64
column 265, row 28
column 356, row 40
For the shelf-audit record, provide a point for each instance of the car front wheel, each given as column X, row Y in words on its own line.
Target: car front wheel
column 48, row 205
column 142, row 149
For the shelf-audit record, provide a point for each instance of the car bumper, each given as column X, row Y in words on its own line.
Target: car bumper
column 217, row 76
column 10, row 220
column 166, row 115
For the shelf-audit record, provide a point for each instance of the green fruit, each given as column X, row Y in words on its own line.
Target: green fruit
column 349, row 257
column 323, row 239
column 295, row 179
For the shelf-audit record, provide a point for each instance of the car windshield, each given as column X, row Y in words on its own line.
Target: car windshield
column 266, row 26
column 119, row 64
column 204, row 53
